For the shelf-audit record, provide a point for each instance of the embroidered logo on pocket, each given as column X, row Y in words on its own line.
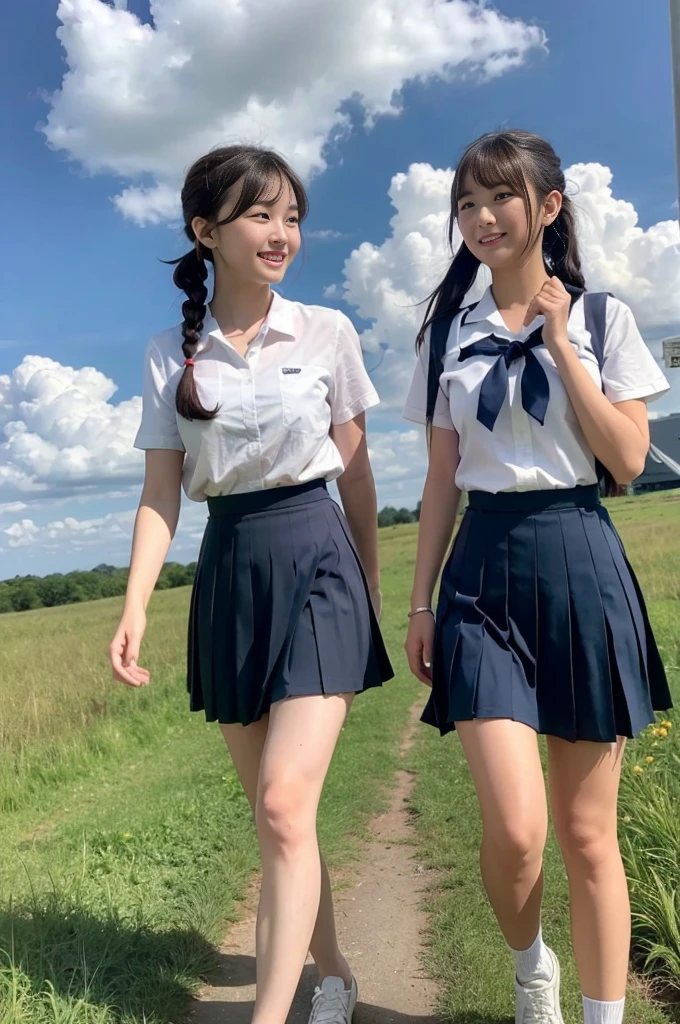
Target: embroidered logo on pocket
column 291, row 369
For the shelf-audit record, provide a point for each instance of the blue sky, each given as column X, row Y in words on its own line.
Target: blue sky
column 83, row 286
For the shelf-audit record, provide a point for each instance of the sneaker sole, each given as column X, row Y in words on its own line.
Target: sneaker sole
column 557, row 988
column 353, row 999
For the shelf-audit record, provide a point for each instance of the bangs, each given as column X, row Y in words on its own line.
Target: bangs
column 264, row 182
column 492, row 160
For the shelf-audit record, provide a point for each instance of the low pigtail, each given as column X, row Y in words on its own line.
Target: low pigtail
column 560, row 247
column 446, row 300
column 190, row 276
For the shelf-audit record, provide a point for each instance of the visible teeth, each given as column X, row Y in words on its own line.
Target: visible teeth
column 273, row 259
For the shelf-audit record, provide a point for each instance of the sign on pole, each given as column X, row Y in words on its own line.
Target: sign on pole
column 671, row 353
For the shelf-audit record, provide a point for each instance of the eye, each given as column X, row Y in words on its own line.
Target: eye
column 465, row 206
column 293, row 220
column 261, row 214
column 502, row 195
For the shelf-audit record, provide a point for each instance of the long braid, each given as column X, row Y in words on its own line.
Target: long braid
column 190, row 276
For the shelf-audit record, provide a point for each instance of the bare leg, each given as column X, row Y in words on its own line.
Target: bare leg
column 245, row 746
column 584, row 784
column 299, row 744
column 506, row 769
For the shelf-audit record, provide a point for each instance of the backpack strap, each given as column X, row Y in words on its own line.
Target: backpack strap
column 595, row 309
column 439, row 335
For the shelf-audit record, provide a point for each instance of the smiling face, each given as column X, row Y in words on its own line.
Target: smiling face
column 493, row 222
column 257, row 244
column 500, row 212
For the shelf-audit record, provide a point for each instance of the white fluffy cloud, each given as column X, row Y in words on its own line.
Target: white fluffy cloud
column 640, row 266
column 61, row 434
column 388, row 281
column 143, row 100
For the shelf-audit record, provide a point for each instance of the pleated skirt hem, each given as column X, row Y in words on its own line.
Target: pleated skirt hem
column 280, row 607
column 301, row 688
column 540, row 620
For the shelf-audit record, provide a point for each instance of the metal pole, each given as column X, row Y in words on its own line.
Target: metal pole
column 675, row 62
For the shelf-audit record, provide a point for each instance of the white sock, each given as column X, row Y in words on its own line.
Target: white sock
column 534, row 964
column 596, row 1012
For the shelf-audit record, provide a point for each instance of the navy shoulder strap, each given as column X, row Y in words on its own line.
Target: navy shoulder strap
column 595, row 308
column 439, row 328
column 439, row 335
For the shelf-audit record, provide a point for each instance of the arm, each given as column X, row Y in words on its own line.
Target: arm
column 618, row 434
column 155, row 526
column 438, row 511
column 357, row 492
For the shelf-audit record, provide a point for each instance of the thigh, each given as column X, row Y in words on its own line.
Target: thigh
column 301, row 739
column 246, row 744
column 584, row 785
column 506, row 769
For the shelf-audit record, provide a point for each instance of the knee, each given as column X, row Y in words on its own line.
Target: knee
column 516, row 844
column 281, row 815
column 587, row 845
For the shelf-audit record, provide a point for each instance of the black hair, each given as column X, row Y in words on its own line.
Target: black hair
column 206, row 187
column 517, row 159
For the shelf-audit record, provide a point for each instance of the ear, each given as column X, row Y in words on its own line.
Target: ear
column 203, row 231
column 551, row 208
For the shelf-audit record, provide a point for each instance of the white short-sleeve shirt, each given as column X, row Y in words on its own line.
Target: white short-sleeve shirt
column 520, row 454
column 303, row 373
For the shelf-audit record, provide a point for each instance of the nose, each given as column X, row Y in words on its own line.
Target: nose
column 277, row 233
column 485, row 216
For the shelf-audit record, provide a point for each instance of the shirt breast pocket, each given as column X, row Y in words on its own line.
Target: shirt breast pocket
column 303, row 398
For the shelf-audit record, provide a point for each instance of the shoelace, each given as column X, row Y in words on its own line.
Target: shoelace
column 328, row 1009
column 540, row 1009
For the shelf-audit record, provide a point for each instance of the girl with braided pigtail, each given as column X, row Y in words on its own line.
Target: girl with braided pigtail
column 253, row 403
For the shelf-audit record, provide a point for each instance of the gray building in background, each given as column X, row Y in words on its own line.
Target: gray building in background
column 658, row 475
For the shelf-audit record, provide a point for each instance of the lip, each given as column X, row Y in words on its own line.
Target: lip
column 490, row 240
column 266, row 257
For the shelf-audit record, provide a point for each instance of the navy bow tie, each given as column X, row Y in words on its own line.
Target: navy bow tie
column 535, row 386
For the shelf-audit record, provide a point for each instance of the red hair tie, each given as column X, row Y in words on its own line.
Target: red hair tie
column 189, row 362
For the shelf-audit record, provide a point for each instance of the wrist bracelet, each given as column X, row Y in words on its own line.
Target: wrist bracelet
column 417, row 611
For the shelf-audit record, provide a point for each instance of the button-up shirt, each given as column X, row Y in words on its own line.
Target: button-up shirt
column 303, row 373
column 520, row 454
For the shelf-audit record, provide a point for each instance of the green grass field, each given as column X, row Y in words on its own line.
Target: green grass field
column 125, row 842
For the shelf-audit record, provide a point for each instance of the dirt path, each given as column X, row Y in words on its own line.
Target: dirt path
column 380, row 924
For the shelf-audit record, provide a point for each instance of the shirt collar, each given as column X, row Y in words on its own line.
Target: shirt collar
column 487, row 314
column 278, row 319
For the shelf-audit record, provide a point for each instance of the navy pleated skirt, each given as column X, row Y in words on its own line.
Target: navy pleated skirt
column 541, row 620
column 280, row 606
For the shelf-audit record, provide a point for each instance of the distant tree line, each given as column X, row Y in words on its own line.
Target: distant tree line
column 390, row 516
column 24, row 593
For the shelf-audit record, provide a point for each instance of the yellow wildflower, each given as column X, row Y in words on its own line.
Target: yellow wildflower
column 663, row 733
column 649, row 759
column 667, row 725
column 638, row 769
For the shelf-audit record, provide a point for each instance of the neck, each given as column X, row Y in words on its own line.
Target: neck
column 518, row 285
column 239, row 305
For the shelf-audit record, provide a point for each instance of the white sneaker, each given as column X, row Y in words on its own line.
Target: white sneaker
column 333, row 1003
column 538, row 1002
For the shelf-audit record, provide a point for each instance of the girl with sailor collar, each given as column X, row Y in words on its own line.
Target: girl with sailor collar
column 252, row 404
column 530, row 396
